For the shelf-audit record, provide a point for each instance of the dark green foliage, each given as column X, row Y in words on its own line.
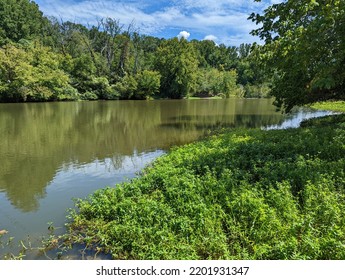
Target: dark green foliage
column 148, row 84
column 244, row 194
column 107, row 62
column 212, row 82
column 177, row 64
column 211, row 55
column 20, row 19
column 304, row 50
column 257, row 91
column 143, row 85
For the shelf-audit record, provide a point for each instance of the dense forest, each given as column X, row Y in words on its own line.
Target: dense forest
column 45, row 59
column 300, row 61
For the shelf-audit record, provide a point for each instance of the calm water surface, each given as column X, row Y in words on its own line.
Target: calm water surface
column 53, row 152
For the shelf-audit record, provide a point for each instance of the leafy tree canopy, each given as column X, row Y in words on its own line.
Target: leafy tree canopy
column 177, row 63
column 32, row 73
column 304, row 50
column 20, row 19
column 45, row 59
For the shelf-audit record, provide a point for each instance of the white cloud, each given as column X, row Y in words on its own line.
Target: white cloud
column 183, row 34
column 210, row 38
column 168, row 16
column 223, row 19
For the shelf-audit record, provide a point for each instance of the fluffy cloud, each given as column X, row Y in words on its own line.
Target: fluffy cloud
column 183, row 34
column 210, row 38
column 223, row 19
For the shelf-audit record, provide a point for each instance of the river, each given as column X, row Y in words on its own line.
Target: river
column 53, row 152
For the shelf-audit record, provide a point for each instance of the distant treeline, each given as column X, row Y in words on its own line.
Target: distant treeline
column 44, row 59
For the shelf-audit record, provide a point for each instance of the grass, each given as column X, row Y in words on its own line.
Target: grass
column 338, row 106
column 242, row 194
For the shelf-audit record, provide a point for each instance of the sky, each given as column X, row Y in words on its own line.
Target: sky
column 222, row 21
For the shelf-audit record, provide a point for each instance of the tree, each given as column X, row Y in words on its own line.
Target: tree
column 111, row 29
column 148, row 46
column 14, row 68
column 212, row 55
column 20, row 19
column 32, row 73
column 148, row 84
column 244, row 50
column 213, row 82
column 207, row 53
column 304, row 50
column 177, row 63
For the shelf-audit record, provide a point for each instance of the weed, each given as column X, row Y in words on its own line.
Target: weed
column 242, row 194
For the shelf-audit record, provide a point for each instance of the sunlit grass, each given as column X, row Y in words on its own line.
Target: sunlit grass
column 243, row 194
column 338, row 106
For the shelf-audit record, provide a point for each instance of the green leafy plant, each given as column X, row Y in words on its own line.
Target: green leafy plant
column 241, row 194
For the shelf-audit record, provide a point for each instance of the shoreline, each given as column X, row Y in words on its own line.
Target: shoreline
column 186, row 204
column 180, row 157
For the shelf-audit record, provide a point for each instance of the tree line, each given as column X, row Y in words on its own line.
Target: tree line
column 300, row 61
column 45, row 59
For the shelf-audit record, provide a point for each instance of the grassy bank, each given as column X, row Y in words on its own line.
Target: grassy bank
column 243, row 194
column 338, row 106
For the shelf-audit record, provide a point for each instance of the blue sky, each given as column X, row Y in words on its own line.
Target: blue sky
column 223, row 21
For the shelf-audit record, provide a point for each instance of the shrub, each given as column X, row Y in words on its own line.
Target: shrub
column 243, row 194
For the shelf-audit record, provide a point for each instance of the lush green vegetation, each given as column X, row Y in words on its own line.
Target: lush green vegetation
column 337, row 106
column 242, row 194
column 45, row 59
column 301, row 62
column 304, row 50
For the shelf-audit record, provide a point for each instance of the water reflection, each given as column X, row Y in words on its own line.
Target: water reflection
column 37, row 139
column 52, row 152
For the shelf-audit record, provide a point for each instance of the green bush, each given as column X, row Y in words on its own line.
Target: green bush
column 256, row 91
column 212, row 82
column 243, row 194
column 32, row 73
column 148, row 84
column 126, row 87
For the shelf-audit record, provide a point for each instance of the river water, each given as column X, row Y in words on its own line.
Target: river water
column 53, row 152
